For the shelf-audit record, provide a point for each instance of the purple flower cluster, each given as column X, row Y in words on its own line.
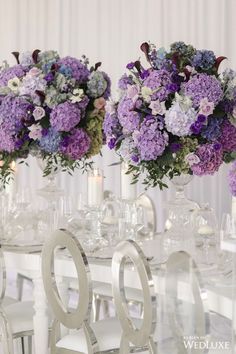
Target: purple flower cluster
column 74, row 68
column 128, row 118
column 198, row 125
column 14, row 112
column 111, row 128
column 232, row 179
column 124, row 81
column 150, row 140
column 212, row 130
column 204, row 59
column 65, row 116
column 50, row 140
column 203, row 86
column 159, row 81
column 75, row 145
column 228, row 136
column 11, row 72
column 210, row 156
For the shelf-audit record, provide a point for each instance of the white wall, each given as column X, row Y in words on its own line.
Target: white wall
column 111, row 31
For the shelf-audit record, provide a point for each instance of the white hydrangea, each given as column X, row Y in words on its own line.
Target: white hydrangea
column 179, row 121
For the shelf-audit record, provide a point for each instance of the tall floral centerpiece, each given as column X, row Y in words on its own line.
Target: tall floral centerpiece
column 51, row 107
column 177, row 117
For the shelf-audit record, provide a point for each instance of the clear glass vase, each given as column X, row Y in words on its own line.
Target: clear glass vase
column 178, row 227
column 50, row 191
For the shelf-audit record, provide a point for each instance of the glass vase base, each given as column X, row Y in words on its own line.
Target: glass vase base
column 50, row 193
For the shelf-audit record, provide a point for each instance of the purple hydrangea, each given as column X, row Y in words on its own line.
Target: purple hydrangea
column 127, row 149
column 179, row 47
column 150, row 140
column 124, row 81
column 75, row 145
column 9, row 73
column 232, row 178
column 111, row 125
column 50, row 140
column 128, row 118
column 203, row 59
column 159, row 81
column 212, row 130
column 74, row 68
column 65, row 116
column 158, row 58
column 82, row 105
column 210, row 156
column 14, row 111
column 203, row 86
column 179, row 122
column 228, row 136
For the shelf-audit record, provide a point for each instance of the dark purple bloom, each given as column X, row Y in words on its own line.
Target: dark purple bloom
column 130, row 65
column 111, row 143
column 174, row 147
column 135, row 158
column 144, row 74
column 49, row 77
column 201, row 118
column 196, row 127
column 217, row 146
column 172, row 87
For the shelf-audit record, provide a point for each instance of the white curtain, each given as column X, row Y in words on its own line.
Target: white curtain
column 111, row 31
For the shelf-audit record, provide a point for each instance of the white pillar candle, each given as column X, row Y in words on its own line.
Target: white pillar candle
column 128, row 190
column 95, row 187
column 205, row 230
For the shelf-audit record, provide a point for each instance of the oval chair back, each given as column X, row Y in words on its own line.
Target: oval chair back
column 139, row 337
column 182, row 262
column 78, row 317
column 5, row 328
column 146, row 203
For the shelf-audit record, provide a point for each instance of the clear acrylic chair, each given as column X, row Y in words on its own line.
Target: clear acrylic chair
column 102, row 291
column 83, row 337
column 188, row 309
column 141, row 336
column 16, row 318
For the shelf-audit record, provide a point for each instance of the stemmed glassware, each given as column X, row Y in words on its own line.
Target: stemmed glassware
column 206, row 233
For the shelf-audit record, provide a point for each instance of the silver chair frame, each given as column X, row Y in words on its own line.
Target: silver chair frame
column 139, row 337
column 79, row 318
column 183, row 261
column 7, row 334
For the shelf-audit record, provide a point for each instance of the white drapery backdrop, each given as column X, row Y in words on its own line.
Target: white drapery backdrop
column 111, row 31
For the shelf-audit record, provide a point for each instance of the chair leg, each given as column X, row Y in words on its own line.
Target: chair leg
column 22, row 345
column 106, row 308
column 30, row 345
column 97, row 306
column 20, row 283
column 141, row 310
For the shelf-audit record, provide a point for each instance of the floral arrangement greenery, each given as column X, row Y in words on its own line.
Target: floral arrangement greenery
column 177, row 116
column 51, row 107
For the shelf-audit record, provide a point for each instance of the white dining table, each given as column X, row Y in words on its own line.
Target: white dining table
column 26, row 259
